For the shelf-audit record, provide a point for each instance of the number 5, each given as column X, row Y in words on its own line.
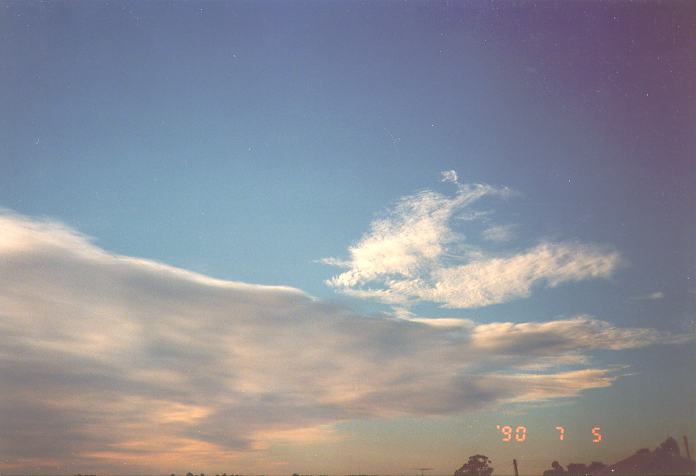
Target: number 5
column 597, row 437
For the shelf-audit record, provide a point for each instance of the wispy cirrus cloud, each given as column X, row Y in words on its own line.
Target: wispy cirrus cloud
column 499, row 233
column 413, row 235
column 656, row 296
column 413, row 254
column 566, row 335
column 109, row 359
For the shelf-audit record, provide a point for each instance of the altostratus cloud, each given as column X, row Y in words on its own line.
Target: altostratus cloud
column 413, row 254
column 107, row 359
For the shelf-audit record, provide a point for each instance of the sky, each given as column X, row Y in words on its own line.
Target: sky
column 344, row 237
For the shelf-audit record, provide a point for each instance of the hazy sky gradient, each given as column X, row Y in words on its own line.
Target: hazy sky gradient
column 163, row 164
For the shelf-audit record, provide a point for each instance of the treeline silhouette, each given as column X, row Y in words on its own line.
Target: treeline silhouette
column 665, row 460
column 203, row 474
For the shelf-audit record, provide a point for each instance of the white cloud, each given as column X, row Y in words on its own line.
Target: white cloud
column 412, row 254
column 109, row 359
column 498, row 233
column 486, row 281
column 444, row 322
column 540, row 387
column 656, row 296
column 413, row 235
column 565, row 335
column 449, row 176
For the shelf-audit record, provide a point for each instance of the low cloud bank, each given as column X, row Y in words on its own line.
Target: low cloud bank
column 109, row 359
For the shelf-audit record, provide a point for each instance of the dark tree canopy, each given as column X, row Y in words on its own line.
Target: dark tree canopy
column 670, row 446
column 478, row 465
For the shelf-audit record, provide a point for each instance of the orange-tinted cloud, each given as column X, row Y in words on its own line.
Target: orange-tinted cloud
column 111, row 362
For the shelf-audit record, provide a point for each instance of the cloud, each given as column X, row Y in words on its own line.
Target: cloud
column 110, row 360
column 562, row 336
column 449, row 176
column 538, row 387
column 498, row 233
column 413, row 235
column 412, row 254
column 491, row 280
column 656, row 296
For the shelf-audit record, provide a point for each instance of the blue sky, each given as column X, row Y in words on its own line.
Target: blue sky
column 248, row 142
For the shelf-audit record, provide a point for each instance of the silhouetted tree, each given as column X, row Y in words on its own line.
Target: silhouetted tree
column 577, row 469
column 556, row 470
column 670, row 446
column 478, row 465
